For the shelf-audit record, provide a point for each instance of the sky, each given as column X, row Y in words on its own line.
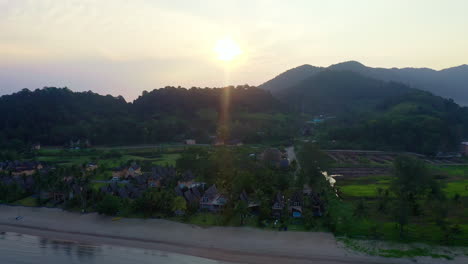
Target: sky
column 123, row 47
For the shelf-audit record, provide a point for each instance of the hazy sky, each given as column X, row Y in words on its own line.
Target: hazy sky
column 124, row 47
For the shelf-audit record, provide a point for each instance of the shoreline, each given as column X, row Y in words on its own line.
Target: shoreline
column 228, row 244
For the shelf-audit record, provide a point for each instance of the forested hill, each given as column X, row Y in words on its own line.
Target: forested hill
column 368, row 114
column 449, row 83
column 374, row 114
column 336, row 92
column 186, row 102
column 54, row 116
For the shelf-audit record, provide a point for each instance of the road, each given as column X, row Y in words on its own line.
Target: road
column 292, row 156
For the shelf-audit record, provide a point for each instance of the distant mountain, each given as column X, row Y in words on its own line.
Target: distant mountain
column 450, row 83
column 377, row 114
column 290, row 78
column 336, row 92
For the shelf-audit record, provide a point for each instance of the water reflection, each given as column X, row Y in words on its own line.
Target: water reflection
column 19, row 248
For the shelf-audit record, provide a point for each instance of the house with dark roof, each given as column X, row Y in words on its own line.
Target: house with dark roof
column 295, row 204
column 141, row 179
column 119, row 172
column 20, row 168
column 134, row 170
column 91, row 166
column 252, row 205
column 212, row 200
column 317, row 205
column 271, row 156
column 178, row 191
column 154, row 181
column 278, row 205
column 235, row 142
column 186, row 180
column 284, row 163
column 36, row 146
column 58, row 196
column 190, row 142
column 123, row 193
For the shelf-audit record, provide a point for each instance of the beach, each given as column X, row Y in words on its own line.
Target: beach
column 228, row 244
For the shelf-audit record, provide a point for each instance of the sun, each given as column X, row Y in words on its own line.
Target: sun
column 227, row 49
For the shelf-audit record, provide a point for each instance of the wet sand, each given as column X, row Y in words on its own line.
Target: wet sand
column 231, row 244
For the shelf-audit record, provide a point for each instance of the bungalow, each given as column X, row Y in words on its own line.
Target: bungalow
column 141, row 180
column 91, row 166
column 252, row 205
column 192, row 196
column 154, row 181
column 134, row 170
column 123, row 193
column 284, row 164
column 278, row 205
column 212, row 200
column 271, row 156
column 166, row 174
column 112, row 188
column 27, row 168
column 119, row 172
column 295, row 205
column 190, row 142
column 178, row 191
column 36, row 146
column 317, row 204
column 186, row 180
column 235, row 142
column 7, row 181
column 29, row 183
column 58, row 196
column 76, row 190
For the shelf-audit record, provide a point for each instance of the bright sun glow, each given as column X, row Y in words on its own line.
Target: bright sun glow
column 227, row 49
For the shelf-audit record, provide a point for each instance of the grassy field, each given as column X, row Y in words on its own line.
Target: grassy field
column 109, row 158
column 454, row 180
column 28, row 201
column 381, row 225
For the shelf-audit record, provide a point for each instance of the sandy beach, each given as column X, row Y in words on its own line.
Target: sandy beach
column 230, row 244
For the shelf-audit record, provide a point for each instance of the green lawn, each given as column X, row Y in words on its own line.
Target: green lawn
column 457, row 187
column 97, row 185
column 28, row 201
column 79, row 157
column 460, row 171
column 169, row 159
column 367, row 190
column 206, row 219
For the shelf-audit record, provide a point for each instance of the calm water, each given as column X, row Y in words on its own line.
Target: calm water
column 19, row 248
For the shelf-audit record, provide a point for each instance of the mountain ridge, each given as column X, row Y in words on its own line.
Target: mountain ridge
column 450, row 83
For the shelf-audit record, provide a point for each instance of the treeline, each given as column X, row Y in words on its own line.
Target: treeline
column 55, row 116
column 373, row 114
column 417, row 122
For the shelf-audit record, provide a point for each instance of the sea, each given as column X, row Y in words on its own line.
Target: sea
column 24, row 249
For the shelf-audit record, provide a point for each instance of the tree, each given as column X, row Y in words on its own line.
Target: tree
column 360, row 210
column 155, row 201
column 383, row 197
column 109, row 205
column 179, row 204
column 313, row 162
column 411, row 182
column 401, row 213
column 242, row 210
column 411, row 176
